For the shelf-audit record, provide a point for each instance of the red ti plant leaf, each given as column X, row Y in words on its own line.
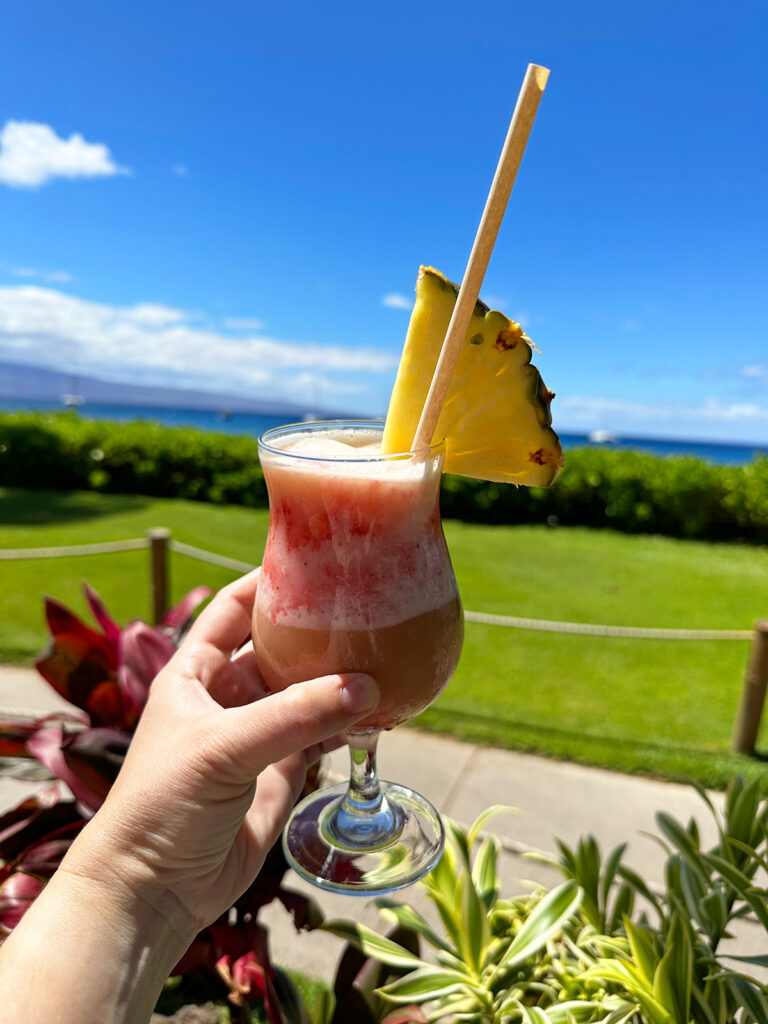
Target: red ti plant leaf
column 87, row 761
column 14, row 735
column 143, row 652
column 406, row 1015
column 44, row 812
column 176, row 617
column 102, row 616
column 78, row 660
column 62, row 622
column 43, row 857
column 16, row 896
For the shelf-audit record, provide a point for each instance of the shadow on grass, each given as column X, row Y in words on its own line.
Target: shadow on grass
column 668, row 761
column 35, row 508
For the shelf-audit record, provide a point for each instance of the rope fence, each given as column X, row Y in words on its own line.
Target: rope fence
column 107, row 548
column 159, row 542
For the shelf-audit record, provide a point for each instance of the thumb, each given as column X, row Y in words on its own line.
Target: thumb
column 304, row 714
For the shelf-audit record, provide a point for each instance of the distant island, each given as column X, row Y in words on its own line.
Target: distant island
column 33, row 383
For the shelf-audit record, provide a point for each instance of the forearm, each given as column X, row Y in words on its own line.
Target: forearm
column 88, row 952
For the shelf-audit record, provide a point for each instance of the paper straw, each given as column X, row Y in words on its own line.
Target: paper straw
column 509, row 162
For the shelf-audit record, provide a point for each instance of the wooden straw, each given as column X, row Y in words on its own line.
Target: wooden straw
column 509, row 163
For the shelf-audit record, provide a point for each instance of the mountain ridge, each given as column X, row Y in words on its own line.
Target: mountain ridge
column 37, row 383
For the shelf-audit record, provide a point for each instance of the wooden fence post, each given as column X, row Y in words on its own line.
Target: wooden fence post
column 753, row 693
column 159, row 576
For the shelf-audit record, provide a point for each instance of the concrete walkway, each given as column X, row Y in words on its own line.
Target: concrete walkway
column 552, row 798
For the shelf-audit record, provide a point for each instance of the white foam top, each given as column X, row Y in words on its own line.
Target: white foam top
column 352, row 452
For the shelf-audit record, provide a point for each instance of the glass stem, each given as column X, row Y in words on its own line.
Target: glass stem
column 364, row 793
column 365, row 817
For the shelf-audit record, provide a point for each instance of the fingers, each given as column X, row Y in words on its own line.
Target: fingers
column 221, row 628
column 238, row 682
column 276, row 792
column 302, row 716
column 226, row 622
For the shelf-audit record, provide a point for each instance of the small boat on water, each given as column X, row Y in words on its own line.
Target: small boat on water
column 602, row 437
column 72, row 401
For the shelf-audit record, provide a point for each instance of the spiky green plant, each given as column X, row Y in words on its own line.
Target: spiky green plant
column 499, row 960
column 604, row 946
column 676, row 968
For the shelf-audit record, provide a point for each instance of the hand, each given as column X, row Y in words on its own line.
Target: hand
column 213, row 770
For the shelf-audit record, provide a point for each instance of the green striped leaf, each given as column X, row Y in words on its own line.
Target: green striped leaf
column 425, row 984
column 573, row 1010
column 674, row 974
column 547, row 918
column 475, row 931
column 643, row 949
column 372, row 944
column 484, row 871
column 751, row 998
column 459, row 840
column 483, row 818
column 406, row 916
column 609, row 871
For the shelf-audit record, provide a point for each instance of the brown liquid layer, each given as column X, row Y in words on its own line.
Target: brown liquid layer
column 411, row 661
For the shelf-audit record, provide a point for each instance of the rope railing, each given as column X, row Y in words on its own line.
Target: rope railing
column 159, row 542
column 484, row 618
column 591, row 629
column 208, row 556
column 105, row 548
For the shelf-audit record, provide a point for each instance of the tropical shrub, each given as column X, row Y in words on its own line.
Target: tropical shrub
column 620, row 489
column 604, row 946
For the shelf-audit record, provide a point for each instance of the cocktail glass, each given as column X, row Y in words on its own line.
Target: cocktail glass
column 356, row 577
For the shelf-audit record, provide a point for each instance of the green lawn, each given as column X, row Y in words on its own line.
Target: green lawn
column 664, row 707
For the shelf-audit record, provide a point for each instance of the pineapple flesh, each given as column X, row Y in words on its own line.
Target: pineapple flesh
column 496, row 420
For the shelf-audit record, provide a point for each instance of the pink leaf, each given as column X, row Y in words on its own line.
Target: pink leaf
column 16, row 896
column 42, row 859
column 34, row 804
column 143, row 652
column 88, row 761
column 102, row 616
column 35, row 807
column 178, row 615
column 406, row 1015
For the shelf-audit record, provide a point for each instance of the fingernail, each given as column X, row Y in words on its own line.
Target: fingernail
column 359, row 693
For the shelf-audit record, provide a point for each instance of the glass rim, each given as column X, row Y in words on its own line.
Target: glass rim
column 308, row 426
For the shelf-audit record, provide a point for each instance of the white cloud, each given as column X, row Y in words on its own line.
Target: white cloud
column 151, row 314
column 150, row 343
column 243, row 323
column 394, row 300
column 32, row 154
column 609, row 410
column 756, row 371
column 52, row 276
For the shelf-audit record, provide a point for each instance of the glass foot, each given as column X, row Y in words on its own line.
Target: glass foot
column 369, row 855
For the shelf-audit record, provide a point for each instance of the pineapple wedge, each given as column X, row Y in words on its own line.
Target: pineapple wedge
column 496, row 421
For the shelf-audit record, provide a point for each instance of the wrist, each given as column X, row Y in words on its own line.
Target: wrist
column 101, row 952
column 110, row 862
column 103, row 935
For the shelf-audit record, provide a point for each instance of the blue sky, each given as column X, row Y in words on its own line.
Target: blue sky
column 238, row 196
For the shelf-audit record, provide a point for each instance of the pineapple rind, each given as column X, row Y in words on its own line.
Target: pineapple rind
column 494, row 429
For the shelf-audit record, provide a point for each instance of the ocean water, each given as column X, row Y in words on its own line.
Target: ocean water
column 253, row 424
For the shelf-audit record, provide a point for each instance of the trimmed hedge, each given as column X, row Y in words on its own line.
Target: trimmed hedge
column 621, row 489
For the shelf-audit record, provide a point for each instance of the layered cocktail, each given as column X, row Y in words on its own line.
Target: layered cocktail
column 356, row 576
